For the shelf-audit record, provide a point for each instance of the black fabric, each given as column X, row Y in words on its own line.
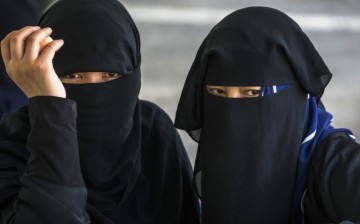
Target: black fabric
column 108, row 130
column 93, row 30
column 122, row 158
column 333, row 194
column 40, row 176
column 162, row 192
column 50, row 120
column 243, row 177
column 15, row 15
column 248, row 147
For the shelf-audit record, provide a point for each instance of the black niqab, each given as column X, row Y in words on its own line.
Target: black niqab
column 248, row 148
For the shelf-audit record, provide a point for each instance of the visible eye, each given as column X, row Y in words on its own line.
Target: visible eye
column 252, row 93
column 72, row 76
column 112, row 75
column 216, row 91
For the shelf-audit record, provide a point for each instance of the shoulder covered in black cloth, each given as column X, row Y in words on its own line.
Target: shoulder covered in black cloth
column 333, row 194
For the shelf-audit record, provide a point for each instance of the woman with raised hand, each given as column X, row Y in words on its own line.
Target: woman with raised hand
column 86, row 149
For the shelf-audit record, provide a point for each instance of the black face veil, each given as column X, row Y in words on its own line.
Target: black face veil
column 100, row 36
column 248, row 148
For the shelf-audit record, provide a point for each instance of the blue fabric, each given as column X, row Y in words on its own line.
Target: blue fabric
column 269, row 90
column 316, row 127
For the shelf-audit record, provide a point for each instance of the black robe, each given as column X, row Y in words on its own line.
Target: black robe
column 41, row 179
column 333, row 193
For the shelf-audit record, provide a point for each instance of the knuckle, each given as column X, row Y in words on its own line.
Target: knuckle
column 15, row 37
column 50, row 45
column 32, row 39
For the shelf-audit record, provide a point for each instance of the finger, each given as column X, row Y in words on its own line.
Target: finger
column 5, row 48
column 33, row 43
column 48, row 52
column 17, row 41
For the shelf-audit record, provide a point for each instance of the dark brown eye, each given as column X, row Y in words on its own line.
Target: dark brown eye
column 112, row 75
column 216, row 91
column 219, row 91
column 72, row 76
column 253, row 92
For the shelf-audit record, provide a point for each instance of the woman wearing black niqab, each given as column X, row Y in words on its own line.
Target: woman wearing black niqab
column 265, row 154
column 101, row 155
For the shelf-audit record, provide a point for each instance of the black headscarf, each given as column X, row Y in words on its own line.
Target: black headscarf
column 248, row 148
column 100, row 36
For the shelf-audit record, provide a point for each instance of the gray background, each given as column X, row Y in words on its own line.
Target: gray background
column 171, row 32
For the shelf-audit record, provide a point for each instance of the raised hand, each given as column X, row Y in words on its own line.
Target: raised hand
column 28, row 55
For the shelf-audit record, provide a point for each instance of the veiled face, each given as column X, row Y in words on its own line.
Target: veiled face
column 89, row 77
column 234, row 91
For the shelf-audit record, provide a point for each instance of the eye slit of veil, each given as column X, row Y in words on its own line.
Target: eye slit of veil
column 244, row 91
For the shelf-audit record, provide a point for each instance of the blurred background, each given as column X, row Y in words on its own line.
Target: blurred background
column 172, row 31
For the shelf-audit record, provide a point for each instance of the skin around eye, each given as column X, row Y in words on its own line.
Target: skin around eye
column 234, row 91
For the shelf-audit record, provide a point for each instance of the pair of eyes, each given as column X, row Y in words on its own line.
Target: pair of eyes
column 235, row 91
column 89, row 77
column 109, row 75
